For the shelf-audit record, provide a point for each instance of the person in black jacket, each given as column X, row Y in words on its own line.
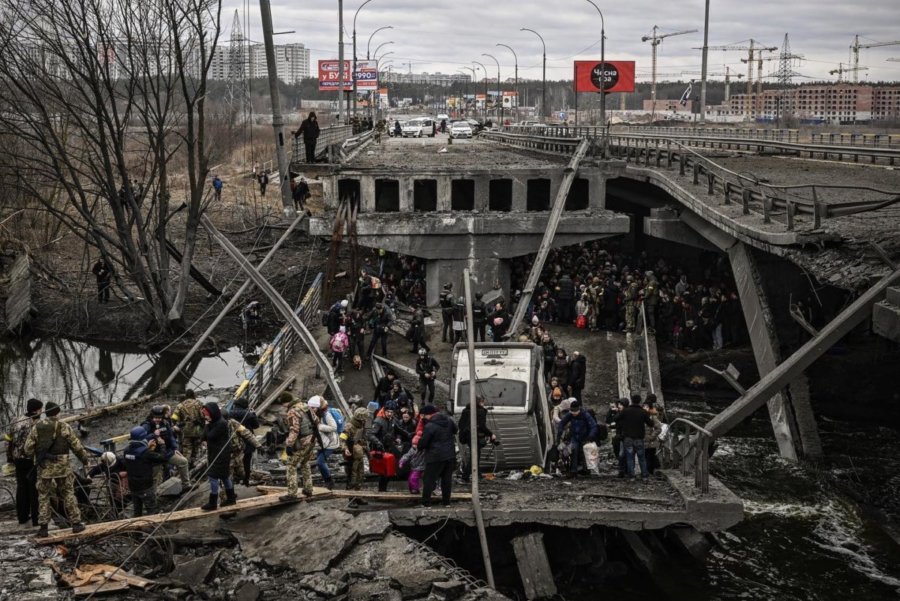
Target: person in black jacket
column 218, row 453
column 417, row 332
column 499, row 320
column 141, row 458
column 159, row 425
column 479, row 317
column 630, row 425
column 483, row 435
column 426, row 368
column 577, row 374
column 446, row 303
column 309, row 129
column 440, row 453
column 383, row 388
column 383, row 437
column 379, row 320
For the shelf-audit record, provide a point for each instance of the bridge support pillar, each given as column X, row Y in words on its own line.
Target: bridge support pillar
column 367, row 194
column 482, row 193
column 406, row 194
column 444, row 192
column 486, row 272
column 793, row 422
column 597, row 188
column 519, row 194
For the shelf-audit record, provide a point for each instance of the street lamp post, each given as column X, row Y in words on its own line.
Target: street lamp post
column 353, row 73
column 516, row 59
column 603, row 74
column 483, row 68
column 369, row 43
column 467, row 89
column 499, row 89
column 380, row 46
column 543, row 76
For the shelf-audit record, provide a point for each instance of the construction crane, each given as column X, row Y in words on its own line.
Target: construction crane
column 854, row 49
column 727, row 76
column 655, row 40
column 784, row 57
column 842, row 69
column 752, row 49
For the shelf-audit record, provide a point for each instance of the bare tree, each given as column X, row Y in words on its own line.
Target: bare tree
column 103, row 96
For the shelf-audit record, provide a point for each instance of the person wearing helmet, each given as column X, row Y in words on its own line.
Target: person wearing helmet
column 383, row 437
column 187, row 423
column 141, row 458
column 160, row 427
column 355, row 444
column 459, row 320
column 426, row 368
column 416, row 334
column 112, row 468
column 303, row 426
column 446, row 303
column 479, row 317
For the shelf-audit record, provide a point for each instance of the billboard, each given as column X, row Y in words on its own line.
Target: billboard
column 617, row 76
column 510, row 100
column 366, row 76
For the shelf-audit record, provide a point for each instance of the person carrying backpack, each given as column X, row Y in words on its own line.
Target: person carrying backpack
column 331, row 426
column 339, row 344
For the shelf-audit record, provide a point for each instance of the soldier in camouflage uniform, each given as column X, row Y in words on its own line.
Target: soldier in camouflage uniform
column 631, row 303
column 355, row 448
column 300, row 444
column 26, row 481
column 188, row 422
column 242, row 442
column 651, row 301
column 50, row 442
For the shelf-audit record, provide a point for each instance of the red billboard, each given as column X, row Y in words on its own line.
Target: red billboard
column 366, row 76
column 617, row 76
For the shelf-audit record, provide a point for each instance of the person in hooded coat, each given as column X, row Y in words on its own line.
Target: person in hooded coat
column 218, row 454
column 577, row 374
column 438, row 442
column 141, row 456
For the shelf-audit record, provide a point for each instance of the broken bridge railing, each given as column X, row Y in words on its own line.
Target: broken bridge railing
column 770, row 201
column 328, row 137
column 279, row 351
column 686, row 446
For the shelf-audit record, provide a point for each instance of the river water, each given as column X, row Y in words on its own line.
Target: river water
column 78, row 375
column 803, row 536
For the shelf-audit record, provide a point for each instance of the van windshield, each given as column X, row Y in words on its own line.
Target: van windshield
column 498, row 392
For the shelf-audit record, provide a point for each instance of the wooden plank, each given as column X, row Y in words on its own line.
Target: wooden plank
column 274, row 396
column 19, row 306
column 107, row 409
column 110, row 586
column 534, row 567
column 149, row 521
column 366, row 494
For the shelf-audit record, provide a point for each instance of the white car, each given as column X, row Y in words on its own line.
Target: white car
column 416, row 128
column 461, row 129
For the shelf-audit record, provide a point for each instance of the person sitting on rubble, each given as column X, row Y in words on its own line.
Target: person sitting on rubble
column 583, row 429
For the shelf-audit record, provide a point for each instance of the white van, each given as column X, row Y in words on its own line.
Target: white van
column 416, row 128
column 510, row 376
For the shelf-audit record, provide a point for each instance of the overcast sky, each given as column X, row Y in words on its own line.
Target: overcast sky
column 445, row 36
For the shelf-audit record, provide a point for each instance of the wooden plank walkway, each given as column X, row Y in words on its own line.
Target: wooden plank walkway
column 19, row 307
column 193, row 513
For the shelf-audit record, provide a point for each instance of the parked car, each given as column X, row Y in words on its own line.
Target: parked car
column 475, row 124
column 416, row 128
column 461, row 129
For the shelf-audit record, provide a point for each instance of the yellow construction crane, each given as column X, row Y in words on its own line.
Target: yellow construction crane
column 752, row 49
column 842, row 69
column 655, row 40
column 854, row 49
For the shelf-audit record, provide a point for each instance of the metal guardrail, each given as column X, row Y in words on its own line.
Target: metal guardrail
column 686, row 446
column 279, row 351
column 771, row 201
column 328, row 136
column 593, row 131
column 857, row 139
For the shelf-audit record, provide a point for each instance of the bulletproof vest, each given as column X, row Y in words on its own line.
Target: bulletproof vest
column 478, row 310
column 446, row 300
column 45, row 438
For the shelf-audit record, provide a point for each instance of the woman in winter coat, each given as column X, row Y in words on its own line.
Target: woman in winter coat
column 651, row 436
column 560, row 369
column 439, row 444
column 218, row 454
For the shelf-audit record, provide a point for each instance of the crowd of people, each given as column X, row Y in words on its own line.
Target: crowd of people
column 599, row 287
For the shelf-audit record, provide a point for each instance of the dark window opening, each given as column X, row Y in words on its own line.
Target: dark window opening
column 500, row 196
column 538, row 198
column 387, row 196
column 425, row 195
column 349, row 189
column 579, row 197
column 462, row 195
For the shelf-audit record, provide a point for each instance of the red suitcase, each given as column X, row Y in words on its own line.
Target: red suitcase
column 382, row 464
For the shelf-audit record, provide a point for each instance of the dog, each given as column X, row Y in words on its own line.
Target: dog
column 357, row 362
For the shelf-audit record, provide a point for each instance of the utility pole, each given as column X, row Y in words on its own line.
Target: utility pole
column 543, row 74
column 284, row 171
column 340, row 60
column 705, row 62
